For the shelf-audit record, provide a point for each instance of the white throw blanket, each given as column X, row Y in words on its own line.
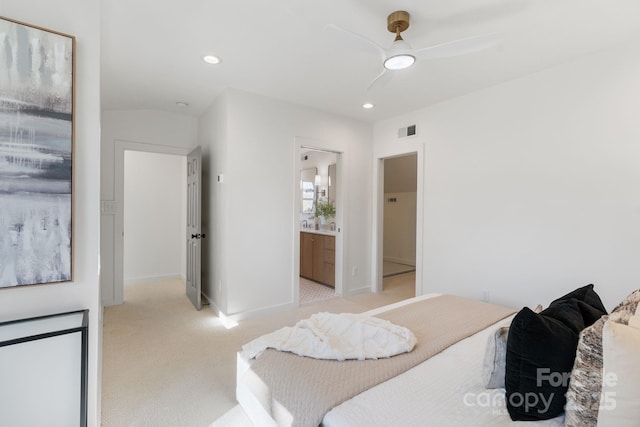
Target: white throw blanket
column 337, row 337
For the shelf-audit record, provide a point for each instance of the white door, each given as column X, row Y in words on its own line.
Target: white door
column 194, row 227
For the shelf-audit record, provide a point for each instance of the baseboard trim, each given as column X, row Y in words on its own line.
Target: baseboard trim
column 244, row 315
column 211, row 304
column 401, row 261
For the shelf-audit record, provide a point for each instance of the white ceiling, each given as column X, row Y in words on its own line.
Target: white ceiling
column 152, row 50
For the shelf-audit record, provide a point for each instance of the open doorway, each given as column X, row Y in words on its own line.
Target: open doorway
column 399, row 224
column 318, row 212
column 154, row 201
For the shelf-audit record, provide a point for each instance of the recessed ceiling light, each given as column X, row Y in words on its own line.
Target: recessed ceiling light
column 367, row 106
column 210, row 59
column 182, row 104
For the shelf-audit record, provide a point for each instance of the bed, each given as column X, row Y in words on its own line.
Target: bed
column 447, row 389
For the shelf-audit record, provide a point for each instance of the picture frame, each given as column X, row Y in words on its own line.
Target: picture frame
column 37, row 110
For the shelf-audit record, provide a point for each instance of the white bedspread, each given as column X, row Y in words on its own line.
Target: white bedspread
column 444, row 391
column 337, row 337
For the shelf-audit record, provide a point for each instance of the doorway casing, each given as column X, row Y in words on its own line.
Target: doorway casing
column 378, row 217
column 120, row 147
column 306, row 144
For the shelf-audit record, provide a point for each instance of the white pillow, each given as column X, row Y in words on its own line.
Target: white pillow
column 620, row 399
column 495, row 359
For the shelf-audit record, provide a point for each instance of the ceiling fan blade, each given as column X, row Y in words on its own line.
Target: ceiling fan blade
column 459, row 47
column 353, row 40
column 382, row 80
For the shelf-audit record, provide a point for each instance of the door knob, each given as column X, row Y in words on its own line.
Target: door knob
column 198, row 236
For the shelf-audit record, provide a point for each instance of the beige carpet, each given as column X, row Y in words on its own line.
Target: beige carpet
column 166, row 364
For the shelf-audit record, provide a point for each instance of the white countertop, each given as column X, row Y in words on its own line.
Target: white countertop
column 326, row 232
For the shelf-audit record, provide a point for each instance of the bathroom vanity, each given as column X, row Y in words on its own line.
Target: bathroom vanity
column 318, row 255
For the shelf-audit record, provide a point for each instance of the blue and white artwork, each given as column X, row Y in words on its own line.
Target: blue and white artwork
column 36, row 141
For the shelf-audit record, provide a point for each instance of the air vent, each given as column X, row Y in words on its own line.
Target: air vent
column 410, row 130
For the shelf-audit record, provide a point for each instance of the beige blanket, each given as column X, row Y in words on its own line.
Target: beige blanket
column 298, row 391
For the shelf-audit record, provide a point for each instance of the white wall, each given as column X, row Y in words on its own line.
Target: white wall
column 255, row 203
column 531, row 187
column 212, row 137
column 81, row 19
column 400, row 227
column 151, row 127
column 154, row 216
column 400, row 174
column 140, row 130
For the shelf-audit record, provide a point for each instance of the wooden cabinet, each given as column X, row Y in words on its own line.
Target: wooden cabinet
column 306, row 255
column 329, row 261
column 317, row 258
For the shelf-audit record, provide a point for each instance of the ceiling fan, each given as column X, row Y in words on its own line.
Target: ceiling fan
column 401, row 55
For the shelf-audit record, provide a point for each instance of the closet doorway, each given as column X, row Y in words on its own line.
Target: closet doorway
column 398, row 224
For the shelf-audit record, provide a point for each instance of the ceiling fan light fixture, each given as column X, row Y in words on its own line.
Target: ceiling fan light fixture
column 399, row 62
column 211, row 59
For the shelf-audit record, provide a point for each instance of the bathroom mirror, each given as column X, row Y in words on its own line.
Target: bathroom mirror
column 331, row 187
column 308, row 189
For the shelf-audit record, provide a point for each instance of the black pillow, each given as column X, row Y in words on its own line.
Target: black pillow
column 586, row 294
column 540, row 352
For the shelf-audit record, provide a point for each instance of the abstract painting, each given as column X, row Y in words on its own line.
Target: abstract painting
column 36, row 153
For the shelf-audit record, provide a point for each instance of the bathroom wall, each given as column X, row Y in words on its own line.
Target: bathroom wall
column 321, row 161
